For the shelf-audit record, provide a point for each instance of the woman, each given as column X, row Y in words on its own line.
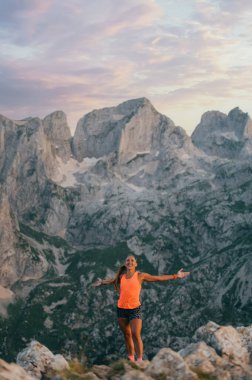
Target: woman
column 129, row 282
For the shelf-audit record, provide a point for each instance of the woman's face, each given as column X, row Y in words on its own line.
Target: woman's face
column 130, row 262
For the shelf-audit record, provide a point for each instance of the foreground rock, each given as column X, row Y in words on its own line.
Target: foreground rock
column 37, row 360
column 226, row 341
column 218, row 353
column 168, row 364
column 13, row 372
column 223, row 354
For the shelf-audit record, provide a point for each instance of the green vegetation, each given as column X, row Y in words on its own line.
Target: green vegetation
column 59, row 310
column 118, row 368
column 201, row 375
column 39, row 236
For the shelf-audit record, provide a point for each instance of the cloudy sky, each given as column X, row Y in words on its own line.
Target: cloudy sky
column 186, row 56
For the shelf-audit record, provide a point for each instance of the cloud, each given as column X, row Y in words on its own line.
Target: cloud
column 82, row 55
column 233, row 6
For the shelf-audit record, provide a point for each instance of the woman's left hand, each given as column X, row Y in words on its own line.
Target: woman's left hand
column 182, row 274
column 98, row 282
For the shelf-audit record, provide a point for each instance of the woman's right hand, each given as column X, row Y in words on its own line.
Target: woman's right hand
column 182, row 274
column 98, row 282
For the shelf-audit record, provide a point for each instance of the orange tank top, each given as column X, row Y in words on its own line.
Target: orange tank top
column 130, row 289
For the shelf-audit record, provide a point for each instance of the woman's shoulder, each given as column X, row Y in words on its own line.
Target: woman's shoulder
column 140, row 275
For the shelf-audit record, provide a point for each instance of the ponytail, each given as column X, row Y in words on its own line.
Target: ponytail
column 117, row 281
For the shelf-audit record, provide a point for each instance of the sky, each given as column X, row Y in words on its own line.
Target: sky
column 186, row 56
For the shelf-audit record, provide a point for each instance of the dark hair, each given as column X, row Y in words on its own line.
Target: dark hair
column 120, row 271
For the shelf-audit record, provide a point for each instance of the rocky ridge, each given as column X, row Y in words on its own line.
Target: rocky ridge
column 217, row 353
column 129, row 180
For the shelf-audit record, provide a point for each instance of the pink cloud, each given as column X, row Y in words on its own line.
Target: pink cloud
column 83, row 55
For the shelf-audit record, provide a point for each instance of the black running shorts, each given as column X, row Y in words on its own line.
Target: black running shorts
column 129, row 313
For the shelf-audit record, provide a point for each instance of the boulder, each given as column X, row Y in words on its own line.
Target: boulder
column 119, row 368
column 246, row 338
column 204, row 360
column 38, row 360
column 13, row 372
column 89, row 376
column 226, row 340
column 136, row 375
column 101, row 371
column 169, row 365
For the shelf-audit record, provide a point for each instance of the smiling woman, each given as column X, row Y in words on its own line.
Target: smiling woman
column 128, row 282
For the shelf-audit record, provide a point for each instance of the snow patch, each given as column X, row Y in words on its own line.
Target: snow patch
column 230, row 136
column 60, row 268
column 65, row 172
column 49, row 309
column 137, row 189
column 20, row 122
column 58, row 284
column 48, row 323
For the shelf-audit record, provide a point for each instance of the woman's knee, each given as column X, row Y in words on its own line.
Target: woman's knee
column 126, row 330
column 127, row 334
column 136, row 334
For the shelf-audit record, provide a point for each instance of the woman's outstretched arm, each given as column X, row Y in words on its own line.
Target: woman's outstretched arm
column 164, row 277
column 106, row 281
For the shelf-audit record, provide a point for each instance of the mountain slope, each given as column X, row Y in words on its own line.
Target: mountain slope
column 129, row 181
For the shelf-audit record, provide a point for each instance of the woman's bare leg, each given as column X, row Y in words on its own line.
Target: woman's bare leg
column 125, row 327
column 136, row 327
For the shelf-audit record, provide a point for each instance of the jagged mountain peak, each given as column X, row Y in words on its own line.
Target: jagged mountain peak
column 223, row 135
column 56, row 122
column 133, row 104
column 95, row 120
column 241, row 123
column 56, row 114
column 4, row 118
column 209, row 117
column 236, row 111
column 58, row 132
column 125, row 107
column 108, row 130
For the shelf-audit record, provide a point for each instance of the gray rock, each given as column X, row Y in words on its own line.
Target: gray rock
column 58, row 132
column 13, row 372
column 89, row 376
column 224, row 135
column 205, row 361
column 101, row 371
column 136, row 375
column 169, row 365
column 226, row 340
column 38, row 360
column 246, row 338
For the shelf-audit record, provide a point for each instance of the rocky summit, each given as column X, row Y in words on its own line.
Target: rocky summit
column 215, row 353
column 128, row 181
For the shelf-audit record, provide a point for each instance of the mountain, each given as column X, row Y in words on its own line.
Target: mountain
column 128, row 181
column 224, row 135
